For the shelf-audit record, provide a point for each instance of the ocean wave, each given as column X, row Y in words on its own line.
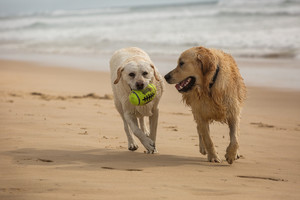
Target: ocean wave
column 254, row 30
column 119, row 18
column 208, row 8
column 174, row 5
column 65, row 13
column 88, row 12
column 257, row 3
column 166, row 44
column 104, row 10
column 262, row 12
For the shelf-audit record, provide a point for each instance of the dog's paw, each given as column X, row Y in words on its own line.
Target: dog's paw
column 238, row 155
column 230, row 158
column 148, row 152
column 149, row 145
column 132, row 147
column 213, row 158
column 232, row 153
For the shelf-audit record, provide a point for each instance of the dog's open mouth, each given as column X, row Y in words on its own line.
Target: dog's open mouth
column 186, row 84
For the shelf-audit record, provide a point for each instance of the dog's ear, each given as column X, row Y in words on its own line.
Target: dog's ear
column 155, row 73
column 119, row 73
column 207, row 59
column 208, row 64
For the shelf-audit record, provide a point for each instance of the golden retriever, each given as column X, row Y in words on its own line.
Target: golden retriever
column 132, row 69
column 211, row 84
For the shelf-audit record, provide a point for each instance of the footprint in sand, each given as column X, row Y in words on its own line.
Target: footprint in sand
column 262, row 178
column 262, row 125
column 15, row 95
column 83, row 133
column 11, row 190
column 179, row 113
column 53, row 97
column 171, row 128
column 44, row 160
column 131, row 170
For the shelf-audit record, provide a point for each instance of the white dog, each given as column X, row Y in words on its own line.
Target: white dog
column 132, row 69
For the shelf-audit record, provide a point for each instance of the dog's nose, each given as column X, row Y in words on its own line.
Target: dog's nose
column 168, row 77
column 139, row 85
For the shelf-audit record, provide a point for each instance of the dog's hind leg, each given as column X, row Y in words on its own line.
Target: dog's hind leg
column 203, row 131
column 232, row 149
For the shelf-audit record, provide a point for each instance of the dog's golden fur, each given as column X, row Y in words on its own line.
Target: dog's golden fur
column 220, row 100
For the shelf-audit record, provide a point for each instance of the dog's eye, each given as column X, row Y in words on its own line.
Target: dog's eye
column 145, row 73
column 132, row 75
column 181, row 63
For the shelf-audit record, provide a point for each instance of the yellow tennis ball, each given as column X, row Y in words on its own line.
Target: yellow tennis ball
column 142, row 97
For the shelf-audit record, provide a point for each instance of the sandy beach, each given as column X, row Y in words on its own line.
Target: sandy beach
column 62, row 138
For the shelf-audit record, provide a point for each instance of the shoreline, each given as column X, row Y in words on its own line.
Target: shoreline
column 278, row 73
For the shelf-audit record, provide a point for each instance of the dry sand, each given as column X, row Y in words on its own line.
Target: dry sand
column 61, row 138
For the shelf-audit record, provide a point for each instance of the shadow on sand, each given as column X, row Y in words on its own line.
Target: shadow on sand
column 96, row 159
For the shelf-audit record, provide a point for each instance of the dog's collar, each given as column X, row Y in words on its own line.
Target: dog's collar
column 214, row 77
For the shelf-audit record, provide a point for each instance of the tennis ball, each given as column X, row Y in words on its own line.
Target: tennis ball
column 142, row 97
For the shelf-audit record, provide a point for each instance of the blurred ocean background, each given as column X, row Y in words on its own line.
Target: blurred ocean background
column 263, row 35
column 244, row 28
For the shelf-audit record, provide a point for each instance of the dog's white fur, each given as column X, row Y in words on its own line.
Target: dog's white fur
column 123, row 63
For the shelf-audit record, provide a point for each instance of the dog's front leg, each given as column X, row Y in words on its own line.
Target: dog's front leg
column 132, row 146
column 202, row 148
column 203, row 132
column 133, row 124
column 232, row 149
